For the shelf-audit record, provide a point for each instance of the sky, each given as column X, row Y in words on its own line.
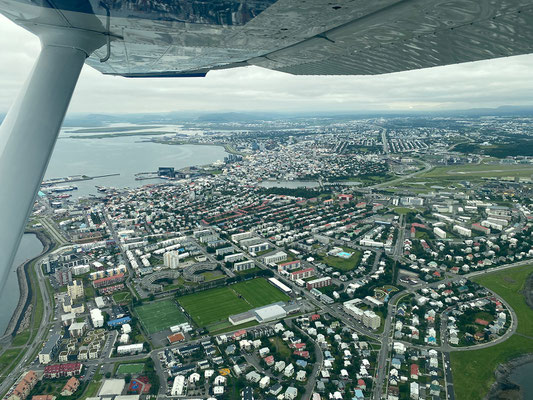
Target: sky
column 492, row 83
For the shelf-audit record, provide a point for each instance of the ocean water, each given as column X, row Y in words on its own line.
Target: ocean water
column 126, row 156
column 521, row 375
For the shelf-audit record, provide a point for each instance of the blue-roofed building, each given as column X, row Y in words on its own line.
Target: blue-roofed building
column 396, row 363
column 118, row 322
column 301, row 363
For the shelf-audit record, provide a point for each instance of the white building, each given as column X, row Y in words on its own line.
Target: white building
column 97, row 318
column 243, row 265
column 275, row 258
column 234, row 257
column 368, row 318
column 237, row 237
column 130, row 348
column 178, row 387
column 171, row 259
column 462, row 230
column 75, row 289
column 264, row 382
column 439, row 233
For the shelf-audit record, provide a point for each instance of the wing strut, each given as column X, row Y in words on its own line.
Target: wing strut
column 29, row 132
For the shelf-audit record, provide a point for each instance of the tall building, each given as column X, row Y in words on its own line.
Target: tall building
column 171, row 259
column 75, row 289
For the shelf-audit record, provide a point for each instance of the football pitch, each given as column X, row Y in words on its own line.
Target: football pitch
column 159, row 315
column 130, row 368
column 216, row 305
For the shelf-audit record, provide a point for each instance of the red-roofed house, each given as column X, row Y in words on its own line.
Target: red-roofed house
column 414, row 371
column 302, row 274
column 269, row 360
column 70, row 387
column 110, row 280
column 301, row 353
column 24, row 387
column 175, row 338
column 289, row 266
column 62, row 370
column 239, row 334
column 345, row 197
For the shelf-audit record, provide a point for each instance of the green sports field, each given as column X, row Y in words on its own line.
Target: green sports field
column 159, row 315
column 130, row 368
column 211, row 306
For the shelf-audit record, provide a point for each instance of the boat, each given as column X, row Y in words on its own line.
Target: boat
column 59, row 189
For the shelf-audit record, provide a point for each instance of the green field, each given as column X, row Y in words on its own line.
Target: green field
column 159, row 315
column 477, row 170
column 343, row 264
column 130, row 368
column 259, row 292
column 473, row 371
column 214, row 305
column 404, row 210
column 122, row 297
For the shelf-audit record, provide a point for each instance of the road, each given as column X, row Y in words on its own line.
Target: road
column 41, row 335
column 427, row 167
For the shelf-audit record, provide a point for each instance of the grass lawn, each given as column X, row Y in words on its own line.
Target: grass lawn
column 344, row 264
column 473, row 371
column 21, row 338
column 259, row 292
column 281, row 347
column 122, row 297
column 211, row 306
column 478, row 170
column 93, row 387
column 7, row 358
column 159, row 315
column 404, row 210
column 212, row 276
column 130, row 368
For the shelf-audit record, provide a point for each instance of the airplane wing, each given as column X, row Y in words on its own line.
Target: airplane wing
column 306, row 37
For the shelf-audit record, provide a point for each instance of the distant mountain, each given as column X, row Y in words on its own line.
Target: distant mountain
column 498, row 111
column 177, row 117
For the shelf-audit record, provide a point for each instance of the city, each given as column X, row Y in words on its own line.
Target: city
column 323, row 258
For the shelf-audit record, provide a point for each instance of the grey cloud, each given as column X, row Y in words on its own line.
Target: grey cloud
column 481, row 84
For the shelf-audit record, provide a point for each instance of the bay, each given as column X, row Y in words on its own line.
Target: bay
column 126, row 156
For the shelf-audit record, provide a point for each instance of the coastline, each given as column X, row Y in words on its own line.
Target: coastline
column 228, row 148
column 504, row 388
column 25, row 289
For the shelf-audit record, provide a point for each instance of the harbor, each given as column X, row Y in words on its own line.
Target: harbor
column 74, row 178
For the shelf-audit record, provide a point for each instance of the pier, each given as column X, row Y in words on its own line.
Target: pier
column 75, row 178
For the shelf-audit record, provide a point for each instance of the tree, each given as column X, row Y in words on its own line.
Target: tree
column 127, row 379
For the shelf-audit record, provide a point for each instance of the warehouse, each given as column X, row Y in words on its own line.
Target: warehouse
column 269, row 313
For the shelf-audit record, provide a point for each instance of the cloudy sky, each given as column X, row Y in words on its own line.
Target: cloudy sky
column 491, row 83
